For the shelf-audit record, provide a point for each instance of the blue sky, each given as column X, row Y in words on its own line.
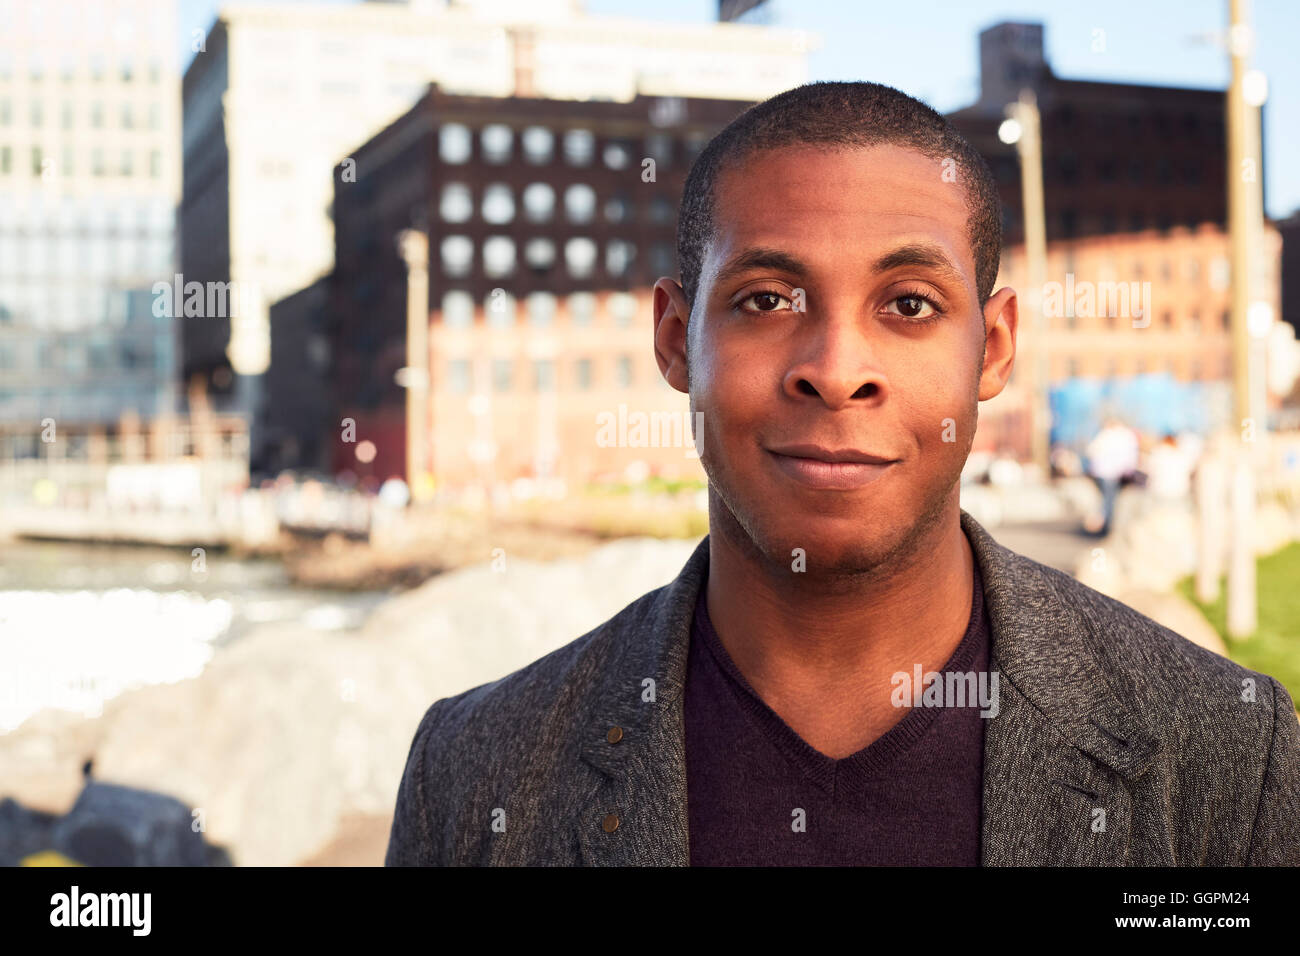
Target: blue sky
column 929, row 49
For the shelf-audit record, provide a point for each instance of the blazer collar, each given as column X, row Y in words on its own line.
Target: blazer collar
column 1058, row 758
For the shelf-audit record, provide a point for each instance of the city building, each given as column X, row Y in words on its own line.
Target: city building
column 1139, row 322
column 278, row 95
column 548, row 222
column 1117, row 157
column 89, row 181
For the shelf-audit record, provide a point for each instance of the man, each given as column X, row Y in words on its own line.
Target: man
column 1112, row 454
column 789, row 697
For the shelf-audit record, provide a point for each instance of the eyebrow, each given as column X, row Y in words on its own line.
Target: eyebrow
column 760, row 258
column 923, row 255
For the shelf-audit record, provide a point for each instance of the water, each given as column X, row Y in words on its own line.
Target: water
column 79, row 624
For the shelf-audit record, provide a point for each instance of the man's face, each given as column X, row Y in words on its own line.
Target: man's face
column 884, row 361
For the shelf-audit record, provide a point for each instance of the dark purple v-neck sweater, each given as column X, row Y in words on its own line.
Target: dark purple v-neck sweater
column 758, row 795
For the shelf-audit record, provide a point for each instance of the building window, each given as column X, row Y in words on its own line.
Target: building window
column 541, row 309
column 155, row 116
column 496, row 140
column 456, row 204
column 97, row 115
column 68, row 164
column 458, row 376
column 544, row 375
column 579, row 203
column 97, row 161
column 579, row 147
column 661, row 259
column 128, row 168
column 539, row 254
column 155, row 164
column 661, row 211
column 618, row 209
column 457, row 309
column 538, row 144
column 539, row 202
column 498, row 256
column 580, row 257
column 501, row 309
column 6, row 159
column 659, row 147
column 695, row 143
column 454, row 143
column 1227, row 320
column 38, row 113
column 618, row 154
column 583, row 372
column 622, row 308
column 582, row 308
column 502, row 374
column 619, row 254
column 457, row 255
column 6, row 112
column 128, row 116
column 498, row 204
column 1194, row 321
column 623, row 371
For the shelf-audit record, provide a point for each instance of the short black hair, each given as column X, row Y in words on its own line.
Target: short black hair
column 841, row 114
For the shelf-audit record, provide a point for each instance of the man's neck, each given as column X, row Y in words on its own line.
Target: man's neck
column 821, row 653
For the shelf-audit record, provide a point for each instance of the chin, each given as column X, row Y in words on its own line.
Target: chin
column 841, row 543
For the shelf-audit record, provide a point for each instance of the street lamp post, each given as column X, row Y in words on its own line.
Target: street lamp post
column 1022, row 128
column 1245, row 214
column 414, row 247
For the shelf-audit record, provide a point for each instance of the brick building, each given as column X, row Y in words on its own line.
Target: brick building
column 1117, row 157
column 548, row 223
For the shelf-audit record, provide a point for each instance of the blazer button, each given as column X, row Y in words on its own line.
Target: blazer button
column 615, row 735
column 610, row 823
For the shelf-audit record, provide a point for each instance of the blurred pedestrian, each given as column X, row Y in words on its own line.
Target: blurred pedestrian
column 1112, row 454
column 1169, row 471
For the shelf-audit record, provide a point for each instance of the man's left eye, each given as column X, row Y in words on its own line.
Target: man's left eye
column 764, row 301
column 913, row 307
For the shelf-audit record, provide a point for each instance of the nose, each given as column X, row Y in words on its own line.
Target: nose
column 838, row 364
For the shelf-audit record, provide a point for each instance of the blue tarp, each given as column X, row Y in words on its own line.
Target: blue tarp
column 1153, row 404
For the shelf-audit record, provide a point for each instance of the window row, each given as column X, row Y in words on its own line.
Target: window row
column 501, row 309
column 124, row 116
column 581, row 255
column 539, row 146
column 97, row 164
column 497, row 205
column 542, row 377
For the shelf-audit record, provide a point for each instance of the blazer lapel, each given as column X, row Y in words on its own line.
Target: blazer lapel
column 1063, row 753
column 635, row 736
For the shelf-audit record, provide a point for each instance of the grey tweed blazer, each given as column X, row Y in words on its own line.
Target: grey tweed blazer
column 1117, row 742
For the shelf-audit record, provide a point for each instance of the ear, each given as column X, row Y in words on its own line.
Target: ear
column 1001, row 321
column 672, row 316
